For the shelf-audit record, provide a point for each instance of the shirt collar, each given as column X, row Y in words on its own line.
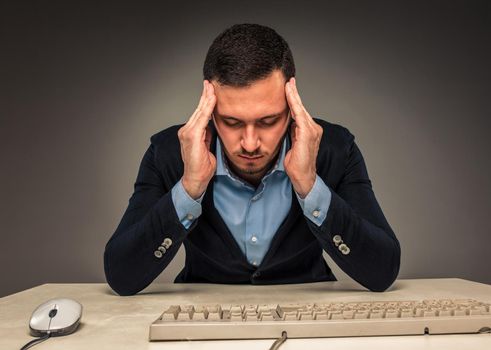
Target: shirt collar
column 222, row 167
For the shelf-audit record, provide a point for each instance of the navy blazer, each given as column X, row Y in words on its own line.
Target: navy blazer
column 212, row 255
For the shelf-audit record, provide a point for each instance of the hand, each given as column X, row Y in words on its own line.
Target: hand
column 195, row 139
column 306, row 135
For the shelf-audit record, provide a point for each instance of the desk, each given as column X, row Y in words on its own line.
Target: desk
column 113, row 322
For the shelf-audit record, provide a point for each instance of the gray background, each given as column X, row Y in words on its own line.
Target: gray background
column 84, row 86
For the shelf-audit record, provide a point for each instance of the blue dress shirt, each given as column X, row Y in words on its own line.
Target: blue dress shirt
column 247, row 211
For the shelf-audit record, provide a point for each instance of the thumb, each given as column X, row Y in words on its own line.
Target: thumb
column 286, row 161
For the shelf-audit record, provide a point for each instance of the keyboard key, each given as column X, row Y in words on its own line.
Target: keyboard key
column 361, row 314
column 199, row 316
column 171, row 313
column 304, row 315
column 290, row 316
column 335, row 315
column 376, row 313
column 320, row 315
column 391, row 313
column 214, row 316
column 236, row 316
column 236, row 309
column 348, row 314
column 406, row 312
column 460, row 312
column 226, row 315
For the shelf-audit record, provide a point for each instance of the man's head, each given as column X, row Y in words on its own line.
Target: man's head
column 248, row 65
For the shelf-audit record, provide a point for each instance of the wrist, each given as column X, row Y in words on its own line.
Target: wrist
column 304, row 186
column 193, row 188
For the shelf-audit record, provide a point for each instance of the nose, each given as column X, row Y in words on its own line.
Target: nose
column 250, row 139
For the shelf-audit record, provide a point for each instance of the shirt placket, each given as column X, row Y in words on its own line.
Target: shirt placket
column 253, row 234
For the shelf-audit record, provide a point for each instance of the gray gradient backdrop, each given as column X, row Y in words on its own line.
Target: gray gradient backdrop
column 83, row 87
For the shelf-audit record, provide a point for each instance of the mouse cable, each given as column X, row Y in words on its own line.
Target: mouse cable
column 279, row 341
column 36, row 341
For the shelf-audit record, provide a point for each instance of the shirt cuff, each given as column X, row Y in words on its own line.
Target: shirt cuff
column 316, row 204
column 187, row 208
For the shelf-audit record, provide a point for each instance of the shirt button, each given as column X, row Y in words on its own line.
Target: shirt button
column 254, row 263
column 157, row 254
column 254, row 239
column 316, row 213
column 255, row 198
column 190, row 217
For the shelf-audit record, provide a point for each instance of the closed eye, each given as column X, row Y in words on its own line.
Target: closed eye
column 231, row 122
column 265, row 122
column 269, row 121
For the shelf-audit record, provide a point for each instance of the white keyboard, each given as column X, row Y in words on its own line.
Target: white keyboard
column 336, row 319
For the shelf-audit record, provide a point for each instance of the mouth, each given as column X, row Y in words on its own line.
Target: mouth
column 250, row 158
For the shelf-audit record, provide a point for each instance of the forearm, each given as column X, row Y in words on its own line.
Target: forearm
column 131, row 261
column 371, row 253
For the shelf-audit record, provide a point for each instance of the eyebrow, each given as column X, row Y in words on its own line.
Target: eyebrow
column 265, row 117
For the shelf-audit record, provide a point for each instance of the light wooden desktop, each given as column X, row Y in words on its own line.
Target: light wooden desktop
column 114, row 322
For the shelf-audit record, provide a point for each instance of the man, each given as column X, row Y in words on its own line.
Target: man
column 252, row 185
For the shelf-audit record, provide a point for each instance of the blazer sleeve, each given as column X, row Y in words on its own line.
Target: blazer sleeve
column 371, row 251
column 132, row 259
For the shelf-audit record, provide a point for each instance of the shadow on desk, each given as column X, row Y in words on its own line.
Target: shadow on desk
column 311, row 289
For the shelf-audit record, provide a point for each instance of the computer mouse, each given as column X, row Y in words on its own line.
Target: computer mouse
column 56, row 317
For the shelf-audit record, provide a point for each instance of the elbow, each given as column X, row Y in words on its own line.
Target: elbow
column 383, row 281
column 123, row 292
column 116, row 279
column 381, row 287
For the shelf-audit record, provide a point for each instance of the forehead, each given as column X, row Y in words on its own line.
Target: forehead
column 262, row 98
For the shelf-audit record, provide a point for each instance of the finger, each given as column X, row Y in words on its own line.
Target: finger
column 203, row 93
column 298, row 112
column 303, row 114
column 295, row 91
column 204, row 115
column 202, row 111
column 296, row 96
column 202, row 100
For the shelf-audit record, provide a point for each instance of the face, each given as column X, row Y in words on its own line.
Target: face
column 251, row 122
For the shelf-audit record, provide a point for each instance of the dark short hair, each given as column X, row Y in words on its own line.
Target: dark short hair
column 245, row 53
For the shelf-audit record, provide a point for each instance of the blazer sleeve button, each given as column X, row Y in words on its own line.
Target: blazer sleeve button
column 337, row 240
column 167, row 243
column 344, row 249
